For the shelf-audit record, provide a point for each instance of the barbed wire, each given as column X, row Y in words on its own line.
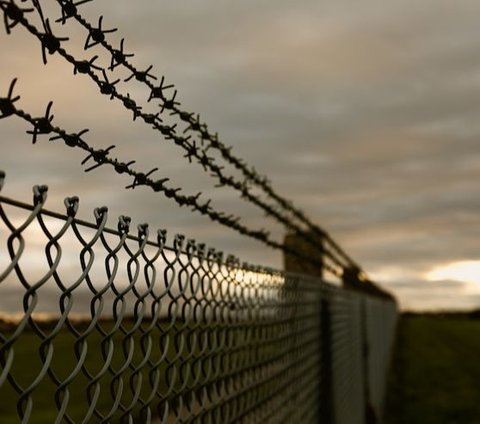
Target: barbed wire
column 43, row 126
column 52, row 44
column 187, row 336
column 96, row 36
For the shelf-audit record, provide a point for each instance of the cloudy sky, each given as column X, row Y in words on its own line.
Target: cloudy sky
column 364, row 113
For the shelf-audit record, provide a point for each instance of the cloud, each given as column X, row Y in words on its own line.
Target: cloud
column 364, row 113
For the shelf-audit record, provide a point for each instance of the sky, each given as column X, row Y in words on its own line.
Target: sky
column 364, row 113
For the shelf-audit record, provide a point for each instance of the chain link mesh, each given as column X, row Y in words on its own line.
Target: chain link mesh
column 120, row 327
column 102, row 325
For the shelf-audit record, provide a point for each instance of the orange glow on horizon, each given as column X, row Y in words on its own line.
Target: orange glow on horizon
column 464, row 271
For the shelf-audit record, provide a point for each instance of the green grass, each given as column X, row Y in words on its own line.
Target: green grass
column 180, row 346
column 435, row 377
column 436, row 371
column 27, row 365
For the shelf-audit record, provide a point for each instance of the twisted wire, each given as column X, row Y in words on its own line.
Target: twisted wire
column 181, row 332
column 52, row 44
column 43, row 126
column 120, row 58
column 193, row 336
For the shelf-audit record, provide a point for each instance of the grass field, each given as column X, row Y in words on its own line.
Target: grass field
column 176, row 350
column 27, row 366
column 435, row 377
column 436, row 371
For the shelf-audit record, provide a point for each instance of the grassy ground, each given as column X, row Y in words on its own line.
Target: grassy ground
column 435, row 377
column 178, row 346
column 27, row 366
column 436, row 371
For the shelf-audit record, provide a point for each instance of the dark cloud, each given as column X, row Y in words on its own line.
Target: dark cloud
column 364, row 113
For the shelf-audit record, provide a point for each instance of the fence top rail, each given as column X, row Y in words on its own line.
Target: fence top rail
column 180, row 246
column 77, row 221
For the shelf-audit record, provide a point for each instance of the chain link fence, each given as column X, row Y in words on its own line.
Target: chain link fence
column 103, row 325
column 111, row 325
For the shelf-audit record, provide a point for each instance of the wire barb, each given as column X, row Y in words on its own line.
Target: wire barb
column 50, row 43
column 141, row 178
column 119, row 56
column 71, row 140
column 7, row 106
column 98, row 156
column 69, row 9
column 97, row 35
column 85, row 66
column 107, row 87
column 12, row 14
column 169, row 103
column 122, row 168
column 142, row 76
column 157, row 92
column 42, row 125
column 130, row 104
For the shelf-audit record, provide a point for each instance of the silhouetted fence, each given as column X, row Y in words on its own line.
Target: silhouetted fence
column 193, row 138
column 106, row 325
column 122, row 327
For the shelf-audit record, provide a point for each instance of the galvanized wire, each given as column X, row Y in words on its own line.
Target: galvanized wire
column 52, row 44
column 97, row 36
column 43, row 126
column 174, row 334
column 140, row 330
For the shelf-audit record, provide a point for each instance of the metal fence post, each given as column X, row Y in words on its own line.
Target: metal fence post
column 326, row 392
column 297, row 265
column 197, row 338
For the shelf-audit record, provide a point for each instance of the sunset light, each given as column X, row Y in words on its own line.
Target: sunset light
column 464, row 271
column 242, row 211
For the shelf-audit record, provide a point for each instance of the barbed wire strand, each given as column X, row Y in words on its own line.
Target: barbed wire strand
column 51, row 44
column 96, row 36
column 43, row 126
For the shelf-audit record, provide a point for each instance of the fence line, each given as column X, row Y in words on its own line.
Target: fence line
column 119, row 58
column 142, row 332
column 52, row 44
column 43, row 125
column 103, row 325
